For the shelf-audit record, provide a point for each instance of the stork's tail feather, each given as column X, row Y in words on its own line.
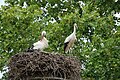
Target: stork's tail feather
column 65, row 46
column 30, row 50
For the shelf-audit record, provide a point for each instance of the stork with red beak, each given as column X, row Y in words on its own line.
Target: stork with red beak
column 69, row 41
column 41, row 44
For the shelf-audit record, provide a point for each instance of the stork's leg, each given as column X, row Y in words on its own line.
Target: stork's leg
column 70, row 51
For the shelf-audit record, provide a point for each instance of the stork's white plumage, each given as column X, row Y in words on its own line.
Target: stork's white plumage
column 42, row 44
column 69, row 41
column 39, row 45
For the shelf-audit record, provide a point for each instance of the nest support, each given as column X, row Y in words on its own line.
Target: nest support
column 39, row 65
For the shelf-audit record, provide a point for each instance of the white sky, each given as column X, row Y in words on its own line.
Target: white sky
column 2, row 2
column 117, row 15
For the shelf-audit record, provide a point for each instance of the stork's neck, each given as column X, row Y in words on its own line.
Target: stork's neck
column 42, row 38
column 74, row 30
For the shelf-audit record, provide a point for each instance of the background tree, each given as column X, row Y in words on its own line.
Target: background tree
column 21, row 22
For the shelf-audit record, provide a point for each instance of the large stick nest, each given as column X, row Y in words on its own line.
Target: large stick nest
column 43, row 66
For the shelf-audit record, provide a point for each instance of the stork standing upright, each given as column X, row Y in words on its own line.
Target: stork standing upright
column 41, row 44
column 69, row 41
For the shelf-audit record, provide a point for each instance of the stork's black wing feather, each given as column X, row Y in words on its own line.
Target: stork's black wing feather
column 30, row 49
column 65, row 45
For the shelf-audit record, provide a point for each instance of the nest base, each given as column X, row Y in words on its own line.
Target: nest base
column 39, row 65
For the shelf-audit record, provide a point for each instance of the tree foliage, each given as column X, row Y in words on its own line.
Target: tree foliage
column 97, row 46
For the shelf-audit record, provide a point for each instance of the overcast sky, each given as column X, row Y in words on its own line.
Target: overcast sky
column 2, row 2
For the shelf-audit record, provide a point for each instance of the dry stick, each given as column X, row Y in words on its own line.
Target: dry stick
column 48, row 78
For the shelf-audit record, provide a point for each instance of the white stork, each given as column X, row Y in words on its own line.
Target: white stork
column 69, row 41
column 41, row 44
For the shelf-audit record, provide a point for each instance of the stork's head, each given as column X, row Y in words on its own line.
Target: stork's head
column 75, row 25
column 43, row 33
